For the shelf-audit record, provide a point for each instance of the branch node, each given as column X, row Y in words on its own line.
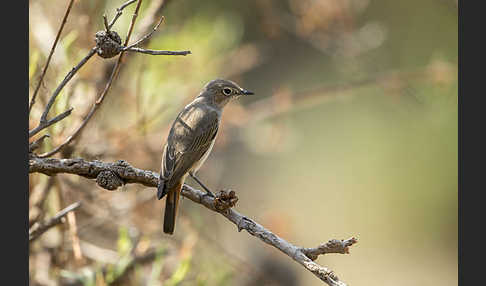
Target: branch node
column 225, row 199
column 332, row 246
column 108, row 44
column 109, row 180
column 122, row 163
column 242, row 224
column 332, row 276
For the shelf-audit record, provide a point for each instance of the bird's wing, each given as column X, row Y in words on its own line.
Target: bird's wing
column 184, row 149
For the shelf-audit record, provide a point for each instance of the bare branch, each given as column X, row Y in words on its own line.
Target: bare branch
column 332, row 246
column 65, row 81
column 91, row 169
column 146, row 36
column 45, row 124
column 158, row 53
column 151, row 14
column 98, row 102
column 123, row 171
column 43, row 121
column 133, row 47
column 39, row 229
column 68, row 10
column 105, row 22
column 119, row 13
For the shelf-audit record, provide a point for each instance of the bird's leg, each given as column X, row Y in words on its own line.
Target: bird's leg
column 208, row 192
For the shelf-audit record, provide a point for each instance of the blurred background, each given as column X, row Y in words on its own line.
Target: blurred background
column 352, row 131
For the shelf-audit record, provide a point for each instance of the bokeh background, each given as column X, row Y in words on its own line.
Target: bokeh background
column 352, row 132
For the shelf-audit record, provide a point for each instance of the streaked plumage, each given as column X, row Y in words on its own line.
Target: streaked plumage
column 190, row 141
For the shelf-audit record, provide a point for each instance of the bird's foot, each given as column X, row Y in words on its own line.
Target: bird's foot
column 209, row 194
column 225, row 199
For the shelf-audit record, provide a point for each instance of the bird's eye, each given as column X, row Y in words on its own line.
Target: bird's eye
column 227, row 91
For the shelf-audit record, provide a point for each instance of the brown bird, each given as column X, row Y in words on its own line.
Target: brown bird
column 190, row 141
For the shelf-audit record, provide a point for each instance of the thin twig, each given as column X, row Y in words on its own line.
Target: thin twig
column 36, row 144
column 152, row 13
column 68, row 77
column 146, row 36
column 119, row 12
column 157, row 53
column 64, row 20
column 129, row 174
column 45, row 124
column 105, row 22
column 55, row 220
column 98, row 102
column 332, row 246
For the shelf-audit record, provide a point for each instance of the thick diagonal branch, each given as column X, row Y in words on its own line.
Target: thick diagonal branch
column 124, row 172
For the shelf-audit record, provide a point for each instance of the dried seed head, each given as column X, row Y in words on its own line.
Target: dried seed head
column 108, row 44
column 108, row 180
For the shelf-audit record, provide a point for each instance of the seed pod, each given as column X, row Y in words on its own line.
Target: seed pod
column 108, row 44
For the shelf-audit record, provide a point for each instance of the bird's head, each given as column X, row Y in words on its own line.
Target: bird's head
column 221, row 91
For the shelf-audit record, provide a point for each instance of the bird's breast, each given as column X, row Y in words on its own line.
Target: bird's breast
column 199, row 163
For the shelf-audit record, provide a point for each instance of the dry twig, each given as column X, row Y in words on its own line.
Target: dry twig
column 123, row 173
column 68, row 10
column 158, row 53
column 144, row 38
column 119, row 12
column 44, row 123
column 39, row 229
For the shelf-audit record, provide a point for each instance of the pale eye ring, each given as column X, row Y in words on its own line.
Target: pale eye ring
column 227, row 91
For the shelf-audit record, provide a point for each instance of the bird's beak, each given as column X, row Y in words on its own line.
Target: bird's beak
column 246, row 92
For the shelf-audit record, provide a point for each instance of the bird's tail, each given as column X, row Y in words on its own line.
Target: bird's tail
column 161, row 188
column 171, row 205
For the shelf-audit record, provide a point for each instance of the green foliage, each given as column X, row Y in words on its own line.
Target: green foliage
column 124, row 243
column 124, row 249
column 156, row 268
column 179, row 274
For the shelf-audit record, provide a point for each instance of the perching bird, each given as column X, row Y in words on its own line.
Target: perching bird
column 190, row 141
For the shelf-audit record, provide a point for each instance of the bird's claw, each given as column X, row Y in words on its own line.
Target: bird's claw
column 225, row 199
